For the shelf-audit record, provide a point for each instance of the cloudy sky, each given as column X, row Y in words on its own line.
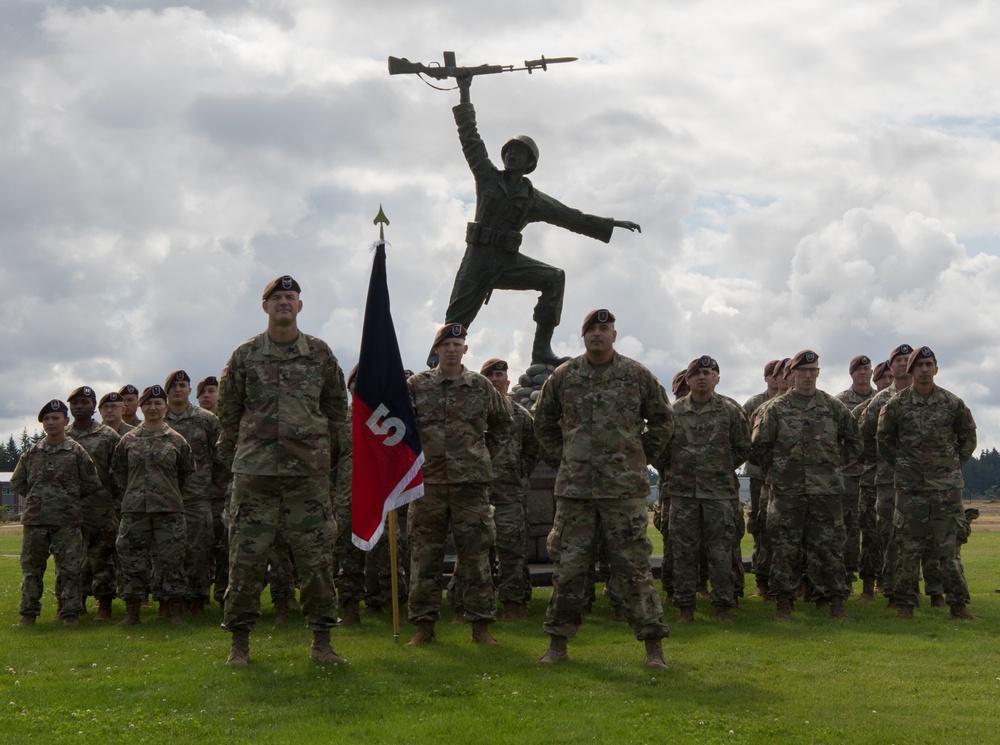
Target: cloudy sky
column 822, row 175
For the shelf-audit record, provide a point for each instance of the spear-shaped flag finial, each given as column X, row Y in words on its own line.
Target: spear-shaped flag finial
column 380, row 220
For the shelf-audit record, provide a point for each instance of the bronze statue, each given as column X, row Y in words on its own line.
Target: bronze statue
column 506, row 201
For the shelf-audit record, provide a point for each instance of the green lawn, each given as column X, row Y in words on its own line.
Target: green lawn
column 813, row 680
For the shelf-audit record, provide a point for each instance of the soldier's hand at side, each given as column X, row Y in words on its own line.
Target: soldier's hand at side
column 632, row 226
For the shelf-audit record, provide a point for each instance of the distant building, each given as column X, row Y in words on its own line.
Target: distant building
column 7, row 497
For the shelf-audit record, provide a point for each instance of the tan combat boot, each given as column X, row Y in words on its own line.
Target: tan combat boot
column 722, row 614
column 514, row 612
column 459, row 617
column 26, row 621
column 960, row 612
column 938, row 601
column 103, row 609
column 481, row 633
column 239, row 648
column 423, row 635
column 352, row 613
column 280, row 611
column 557, row 651
column 321, row 651
column 654, row 654
column 131, row 613
column 687, row 614
column 867, row 590
column 784, row 609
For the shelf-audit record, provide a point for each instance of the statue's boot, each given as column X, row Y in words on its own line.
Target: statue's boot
column 541, row 349
column 432, row 360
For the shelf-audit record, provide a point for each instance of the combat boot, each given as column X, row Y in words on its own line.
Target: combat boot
column 423, row 635
column 837, row 610
column 760, row 591
column 514, row 612
column 70, row 621
column 26, row 621
column 557, row 651
column 103, row 609
column 372, row 610
column 131, row 613
column 239, row 648
column 784, row 609
column 904, row 613
column 822, row 604
column 541, row 347
column 177, row 610
column 352, row 614
column 654, row 654
column 722, row 614
column 459, row 617
column 321, row 651
column 280, row 611
column 163, row 610
column 481, row 633
column 960, row 612
column 197, row 606
column 937, row 601
column 867, row 591
column 620, row 615
column 59, row 607
column 703, row 591
column 687, row 614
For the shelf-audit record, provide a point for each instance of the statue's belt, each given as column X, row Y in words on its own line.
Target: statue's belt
column 508, row 240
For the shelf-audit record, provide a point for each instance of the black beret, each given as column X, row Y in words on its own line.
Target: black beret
column 54, row 405
column 450, row 331
column 805, row 357
column 154, row 391
column 128, row 390
column 284, row 283
column 601, row 315
column 920, row 354
column 84, row 391
column 494, row 363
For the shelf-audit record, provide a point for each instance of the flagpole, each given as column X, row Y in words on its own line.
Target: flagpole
column 395, row 579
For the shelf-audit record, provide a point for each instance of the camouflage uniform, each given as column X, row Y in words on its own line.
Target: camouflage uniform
column 201, row 430
column 99, row 521
column 462, row 423
column 378, row 576
column 753, row 472
column 763, row 552
column 602, row 428
column 927, row 441
column 852, row 490
column 151, row 469
column 710, row 441
column 281, row 408
column 349, row 560
column 802, row 444
column 55, row 482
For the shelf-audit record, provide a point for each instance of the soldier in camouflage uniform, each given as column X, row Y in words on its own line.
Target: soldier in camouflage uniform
column 661, row 510
column 151, row 466
column 802, row 441
column 711, row 439
column 207, row 394
column 860, row 370
column 55, row 477
column 130, row 405
column 506, row 202
column 602, row 417
column 282, row 403
column 99, row 521
column 753, row 471
column 349, row 560
column 462, row 423
column 112, row 407
column 201, row 429
column 927, row 434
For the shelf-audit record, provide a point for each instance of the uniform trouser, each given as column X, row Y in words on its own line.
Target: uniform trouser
column 280, row 574
column 852, row 541
column 870, row 563
column 922, row 517
column 697, row 525
column 220, row 551
column 302, row 505
column 465, row 508
column 885, row 507
column 100, row 529
column 807, row 531
column 198, row 552
column 159, row 535
column 753, row 525
column 378, row 575
column 764, row 553
column 511, row 549
column 348, row 560
column 66, row 545
column 488, row 268
column 739, row 530
column 572, row 544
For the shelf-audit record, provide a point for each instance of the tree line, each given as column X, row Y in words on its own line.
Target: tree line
column 10, row 451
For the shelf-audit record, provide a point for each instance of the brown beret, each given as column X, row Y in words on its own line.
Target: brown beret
column 919, row 354
column 111, row 398
column 805, row 357
column 154, row 391
column 210, row 380
column 601, row 315
column 352, row 376
column 54, row 405
column 84, row 391
column 175, row 377
column 679, row 386
column 128, row 390
column 703, row 361
column 494, row 363
column 284, row 283
column 450, row 331
column 861, row 359
column 903, row 350
column 770, row 367
column 880, row 369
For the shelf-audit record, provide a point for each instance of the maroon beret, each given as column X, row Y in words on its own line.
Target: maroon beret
column 601, row 315
column 450, row 331
column 128, row 390
column 175, row 377
column 84, row 391
column 679, row 386
column 111, row 398
column 770, row 367
column 494, row 363
column 856, row 362
column 284, row 283
column 903, row 350
column 880, row 369
column 805, row 357
column 154, row 391
column 919, row 354
column 209, row 380
column 700, row 362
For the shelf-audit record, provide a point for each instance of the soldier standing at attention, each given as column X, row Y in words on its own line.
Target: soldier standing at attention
column 711, row 439
column 55, row 476
column 282, row 402
column 130, row 401
column 753, row 472
column 927, row 434
column 602, row 417
column 151, row 466
column 802, row 441
column 201, row 430
column 462, row 424
column 99, row 522
column 207, row 394
column 112, row 407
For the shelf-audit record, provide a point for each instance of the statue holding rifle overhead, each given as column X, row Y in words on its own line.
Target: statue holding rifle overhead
column 506, row 201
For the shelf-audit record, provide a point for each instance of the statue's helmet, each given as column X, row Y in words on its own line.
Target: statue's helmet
column 523, row 141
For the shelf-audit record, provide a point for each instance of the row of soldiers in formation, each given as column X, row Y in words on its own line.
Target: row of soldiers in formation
column 601, row 417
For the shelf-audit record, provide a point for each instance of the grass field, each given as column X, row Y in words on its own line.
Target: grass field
column 814, row 680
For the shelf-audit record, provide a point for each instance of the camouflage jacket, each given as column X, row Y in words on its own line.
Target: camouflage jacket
column 201, row 429
column 802, row 444
column 56, row 481
column 867, row 415
column 926, row 440
column 709, row 443
column 280, row 410
column 123, row 427
column 340, row 475
column 462, row 424
column 851, row 398
column 151, row 468
column 750, row 408
column 502, row 209
column 100, row 442
column 518, row 454
column 602, row 429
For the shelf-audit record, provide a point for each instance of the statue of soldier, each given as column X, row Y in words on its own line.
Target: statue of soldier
column 506, row 201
